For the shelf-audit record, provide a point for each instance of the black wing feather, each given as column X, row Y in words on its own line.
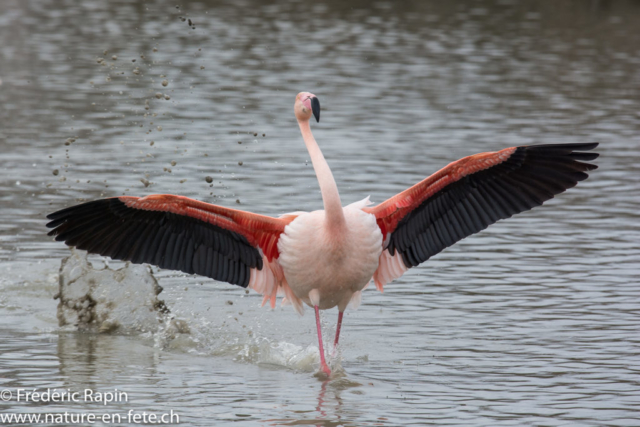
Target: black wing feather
column 109, row 227
column 529, row 177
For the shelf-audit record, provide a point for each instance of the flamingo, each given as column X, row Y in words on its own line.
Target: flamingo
column 327, row 257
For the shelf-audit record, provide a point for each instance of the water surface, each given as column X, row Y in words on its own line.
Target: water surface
column 531, row 322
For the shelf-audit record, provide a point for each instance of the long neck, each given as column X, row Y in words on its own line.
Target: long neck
column 328, row 188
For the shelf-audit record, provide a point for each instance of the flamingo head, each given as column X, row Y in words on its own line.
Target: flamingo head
column 306, row 104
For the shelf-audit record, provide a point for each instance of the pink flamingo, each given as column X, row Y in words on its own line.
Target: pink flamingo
column 325, row 258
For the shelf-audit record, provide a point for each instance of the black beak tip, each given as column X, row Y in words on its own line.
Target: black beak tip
column 315, row 108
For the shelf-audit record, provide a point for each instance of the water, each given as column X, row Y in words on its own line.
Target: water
column 531, row 322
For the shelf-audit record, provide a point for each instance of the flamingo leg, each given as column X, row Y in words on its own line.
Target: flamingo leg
column 323, row 364
column 335, row 343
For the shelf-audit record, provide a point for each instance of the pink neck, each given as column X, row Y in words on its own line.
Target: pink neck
column 333, row 207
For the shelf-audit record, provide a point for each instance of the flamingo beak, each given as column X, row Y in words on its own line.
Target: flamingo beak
column 315, row 108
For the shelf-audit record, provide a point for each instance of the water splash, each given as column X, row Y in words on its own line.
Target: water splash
column 107, row 300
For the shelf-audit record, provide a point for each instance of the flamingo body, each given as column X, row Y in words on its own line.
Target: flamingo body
column 337, row 266
column 325, row 258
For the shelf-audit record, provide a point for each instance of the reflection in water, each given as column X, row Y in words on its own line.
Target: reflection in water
column 90, row 361
column 532, row 322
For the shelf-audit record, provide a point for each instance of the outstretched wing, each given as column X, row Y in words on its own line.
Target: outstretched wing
column 469, row 195
column 178, row 233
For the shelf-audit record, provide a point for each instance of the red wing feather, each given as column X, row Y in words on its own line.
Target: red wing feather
column 173, row 232
column 259, row 230
column 470, row 194
column 390, row 212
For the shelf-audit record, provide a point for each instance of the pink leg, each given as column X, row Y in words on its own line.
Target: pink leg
column 323, row 363
column 335, row 343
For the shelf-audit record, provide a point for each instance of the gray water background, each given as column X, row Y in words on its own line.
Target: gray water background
column 534, row 321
